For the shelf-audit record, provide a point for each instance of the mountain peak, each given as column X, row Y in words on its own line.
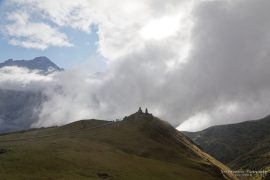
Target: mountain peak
column 42, row 63
column 41, row 58
column 9, row 60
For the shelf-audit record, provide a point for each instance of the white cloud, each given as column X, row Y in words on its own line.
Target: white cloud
column 76, row 92
column 195, row 123
column 130, row 22
column 25, row 33
column 75, row 14
column 18, row 78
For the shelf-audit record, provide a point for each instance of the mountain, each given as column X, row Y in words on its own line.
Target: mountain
column 43, row 64
column 139, row 147
column 243, row 145
column 18, row 109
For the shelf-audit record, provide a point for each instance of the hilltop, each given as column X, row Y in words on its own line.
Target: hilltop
column 139, row 147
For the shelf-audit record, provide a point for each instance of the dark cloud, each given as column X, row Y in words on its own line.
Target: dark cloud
column 226, row 76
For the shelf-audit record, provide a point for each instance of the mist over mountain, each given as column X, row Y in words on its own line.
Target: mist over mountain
column 188, row 60
column 18, row 109
column 21, row 91
column 195, row 63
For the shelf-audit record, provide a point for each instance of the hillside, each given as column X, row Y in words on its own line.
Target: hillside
column 241, row 146
column 139, row 147
column 18, row 109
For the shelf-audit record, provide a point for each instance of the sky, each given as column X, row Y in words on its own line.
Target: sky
column 83, row 45
column 194, row 63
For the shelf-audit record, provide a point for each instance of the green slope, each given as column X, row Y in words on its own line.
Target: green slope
column 243, row 145
column 139, row 147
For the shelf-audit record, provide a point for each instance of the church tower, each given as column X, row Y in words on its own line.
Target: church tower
column 140, row 110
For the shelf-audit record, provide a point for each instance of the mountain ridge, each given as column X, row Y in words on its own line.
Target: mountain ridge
column 242, row 145
column 41, row 63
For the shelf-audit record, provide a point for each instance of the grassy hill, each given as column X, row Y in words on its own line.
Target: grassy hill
column 243, row 145
column 139, row 147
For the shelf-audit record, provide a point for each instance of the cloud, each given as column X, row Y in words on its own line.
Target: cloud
column 229, row 60
column 76, row 97
column 209, row 65
column 115, row 20
column 75, row 14
column 18, row 78
column 37, row 35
